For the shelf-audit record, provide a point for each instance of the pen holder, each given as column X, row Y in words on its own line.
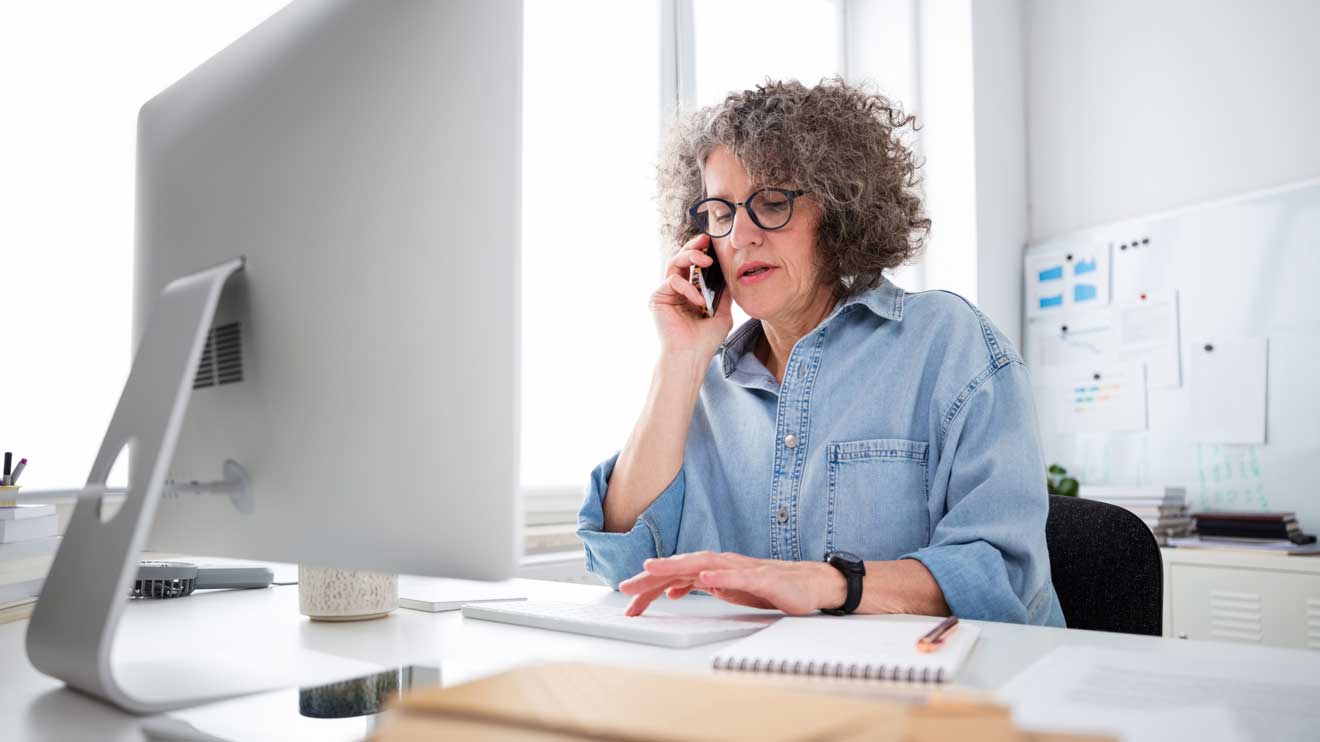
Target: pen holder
column 329, row 594
column 7, row 493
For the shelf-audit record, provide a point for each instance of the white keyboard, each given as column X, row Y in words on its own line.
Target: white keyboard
column 652, row 627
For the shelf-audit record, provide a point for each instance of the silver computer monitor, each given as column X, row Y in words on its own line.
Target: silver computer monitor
column 357, row 377
column 364, row 158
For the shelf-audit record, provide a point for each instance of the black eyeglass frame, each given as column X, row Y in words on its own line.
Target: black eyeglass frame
column 791, row 195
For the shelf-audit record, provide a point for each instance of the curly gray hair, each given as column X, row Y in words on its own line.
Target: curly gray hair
column 836, row 141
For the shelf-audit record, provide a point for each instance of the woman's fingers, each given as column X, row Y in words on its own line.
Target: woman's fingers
column 682, row 286
column 693, row 252
column 732, row 577
column 684, row 258
column 694, row 562
column 699, row 243
column 641, row 583
column 641, row 601
column 661, row 573
column 647, row 582
column 674, row 593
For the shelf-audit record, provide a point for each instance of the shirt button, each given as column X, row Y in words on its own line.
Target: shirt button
column 802, row 369
column 782, row 515
column 790, row 440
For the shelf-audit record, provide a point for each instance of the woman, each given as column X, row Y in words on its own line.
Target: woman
column 849, row 448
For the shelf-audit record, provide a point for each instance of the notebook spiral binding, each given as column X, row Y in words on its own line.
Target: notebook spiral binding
column 839, row 670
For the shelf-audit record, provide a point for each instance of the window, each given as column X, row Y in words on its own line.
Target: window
column 591, row 253
column 738, row 43
column 600, row 77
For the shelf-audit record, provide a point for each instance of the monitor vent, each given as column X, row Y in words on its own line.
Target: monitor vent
column 222, row 357
column 206, row 367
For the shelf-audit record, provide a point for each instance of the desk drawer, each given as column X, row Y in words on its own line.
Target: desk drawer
column 1246, row 605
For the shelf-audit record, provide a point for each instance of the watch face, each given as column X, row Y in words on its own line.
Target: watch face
column 846, row 556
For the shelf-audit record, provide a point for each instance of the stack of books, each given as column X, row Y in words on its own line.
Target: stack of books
column 28, row 540
column 1251, row 527
column 1162, row 508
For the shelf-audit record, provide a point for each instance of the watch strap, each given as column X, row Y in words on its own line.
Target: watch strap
column 853, row 572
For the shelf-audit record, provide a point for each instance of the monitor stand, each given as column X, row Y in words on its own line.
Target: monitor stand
column 73, row 626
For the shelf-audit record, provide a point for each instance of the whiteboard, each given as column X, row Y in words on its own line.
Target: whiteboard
column 1242, row 273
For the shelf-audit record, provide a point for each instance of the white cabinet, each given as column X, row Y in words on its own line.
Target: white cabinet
column 1242, row 597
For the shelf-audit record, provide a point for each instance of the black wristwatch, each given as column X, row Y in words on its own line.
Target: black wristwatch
column 853, row 570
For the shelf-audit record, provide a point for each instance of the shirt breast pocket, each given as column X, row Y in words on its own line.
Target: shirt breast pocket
column 877, row 498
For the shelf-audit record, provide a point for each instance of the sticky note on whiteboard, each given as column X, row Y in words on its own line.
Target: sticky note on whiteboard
column 1227, row 378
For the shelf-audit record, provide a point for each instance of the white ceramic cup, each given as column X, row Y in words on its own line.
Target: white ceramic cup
column 329, row 594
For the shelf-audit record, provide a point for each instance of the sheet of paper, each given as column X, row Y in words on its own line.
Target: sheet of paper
column 1079, row 338
column 1141, row 266
column 1143, row 696
column 1227, row 377
column 1148, row 331
column 1069, row 277
column 1229, row 478
column 1101, row 398
column 1045, row 283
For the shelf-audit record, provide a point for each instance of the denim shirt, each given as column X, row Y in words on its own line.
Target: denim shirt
column 904, row 428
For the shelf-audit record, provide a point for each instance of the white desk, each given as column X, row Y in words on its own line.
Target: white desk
column 36, row 707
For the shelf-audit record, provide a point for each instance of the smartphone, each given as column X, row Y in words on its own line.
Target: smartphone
column 710, row 282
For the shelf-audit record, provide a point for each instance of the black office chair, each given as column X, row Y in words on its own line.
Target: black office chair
column 1106, row 567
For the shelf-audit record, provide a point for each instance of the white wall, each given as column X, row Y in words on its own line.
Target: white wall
column 1001, row 160
column 1135, row 107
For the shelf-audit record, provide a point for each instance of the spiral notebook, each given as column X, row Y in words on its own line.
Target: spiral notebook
column 860, row 647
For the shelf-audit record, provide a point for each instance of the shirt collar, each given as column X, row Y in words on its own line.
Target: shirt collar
column 885, row 301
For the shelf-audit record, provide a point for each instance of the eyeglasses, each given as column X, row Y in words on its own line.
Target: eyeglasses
column 769, row 208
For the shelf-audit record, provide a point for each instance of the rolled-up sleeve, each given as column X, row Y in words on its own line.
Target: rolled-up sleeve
column 988, row 551
column 614, row 557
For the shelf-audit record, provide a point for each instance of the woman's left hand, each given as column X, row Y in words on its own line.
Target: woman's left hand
column 796, row 588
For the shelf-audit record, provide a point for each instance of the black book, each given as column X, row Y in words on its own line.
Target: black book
column 1244, row 528
column 1245, row 515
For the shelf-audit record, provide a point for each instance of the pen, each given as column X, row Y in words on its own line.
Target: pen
column 9, row 457
column 934, row 639
column 13, row 478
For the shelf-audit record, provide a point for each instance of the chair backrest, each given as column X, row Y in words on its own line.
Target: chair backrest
column 1106, row 567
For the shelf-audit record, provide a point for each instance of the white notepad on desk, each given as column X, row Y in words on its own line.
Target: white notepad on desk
column 862, row 647
column 434, row 594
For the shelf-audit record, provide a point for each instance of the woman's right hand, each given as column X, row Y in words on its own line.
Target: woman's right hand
column 678, row 307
